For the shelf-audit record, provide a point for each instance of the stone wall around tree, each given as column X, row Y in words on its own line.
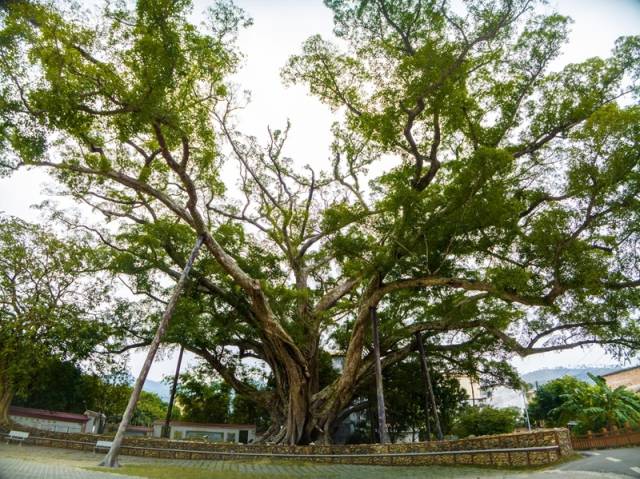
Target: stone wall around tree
column 502, row 450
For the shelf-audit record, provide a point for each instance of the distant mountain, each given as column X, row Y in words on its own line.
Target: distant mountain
column 161, row 389
column 542, row 376
column 156, row 387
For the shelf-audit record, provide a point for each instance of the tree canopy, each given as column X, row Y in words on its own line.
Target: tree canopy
column 473, row 193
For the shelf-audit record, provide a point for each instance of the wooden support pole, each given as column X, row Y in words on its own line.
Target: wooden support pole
column 425, row 365
column 423, row 370
column 111, row 459
column 382, row 419
column 172, row 398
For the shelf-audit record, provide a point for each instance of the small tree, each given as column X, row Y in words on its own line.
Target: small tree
column 545, row 405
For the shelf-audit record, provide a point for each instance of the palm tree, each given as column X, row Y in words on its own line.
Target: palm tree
column 601, row 405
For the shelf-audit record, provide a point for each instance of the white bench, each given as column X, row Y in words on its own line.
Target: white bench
column 102, row 445
column 19, row 436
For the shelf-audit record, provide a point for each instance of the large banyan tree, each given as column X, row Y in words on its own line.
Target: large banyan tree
column 472, row 193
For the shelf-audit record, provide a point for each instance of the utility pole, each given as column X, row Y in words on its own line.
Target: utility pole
column 526, row 407
column 382, row 419
column 425, row 366
column 167, row 422
column 423, row 369
column 473, row 396
column 111, row 459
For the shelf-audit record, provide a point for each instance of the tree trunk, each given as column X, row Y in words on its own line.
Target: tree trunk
column 6, row 396
column 111, row 459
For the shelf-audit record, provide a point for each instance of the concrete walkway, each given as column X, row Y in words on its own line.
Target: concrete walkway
column 30, row 462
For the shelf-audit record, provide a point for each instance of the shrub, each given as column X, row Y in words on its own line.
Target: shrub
column 480, row 421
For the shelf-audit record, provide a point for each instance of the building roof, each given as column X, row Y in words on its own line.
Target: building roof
column 46, row 414
column 204, row 425
column 613, row 373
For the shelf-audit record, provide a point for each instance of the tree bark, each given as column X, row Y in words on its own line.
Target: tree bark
column 111, row 459
column 6, row 396
column 382, row 418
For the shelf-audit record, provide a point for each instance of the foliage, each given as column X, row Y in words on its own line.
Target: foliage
column 480, row 421
column 245, row 411
column 48, row 307
column 58, row 386
column 205, row 399
column 404, row 395
column 544, row 407
column 201, row 401
column 597, row 406
column 63, row 386
column 474, row 193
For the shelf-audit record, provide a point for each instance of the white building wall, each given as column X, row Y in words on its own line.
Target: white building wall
column 213, row 434
column 47, row 424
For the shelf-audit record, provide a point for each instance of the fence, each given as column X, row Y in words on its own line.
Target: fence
column 536, row 448
column 608, row 439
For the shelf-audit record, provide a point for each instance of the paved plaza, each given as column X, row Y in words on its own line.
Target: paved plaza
column 30, row 462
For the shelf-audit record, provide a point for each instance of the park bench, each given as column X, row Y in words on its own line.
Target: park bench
column 102, row 445
column 19, row 436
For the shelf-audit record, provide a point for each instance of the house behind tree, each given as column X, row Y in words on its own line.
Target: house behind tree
column 181, row 430
column 628, row 377
column 46, row 420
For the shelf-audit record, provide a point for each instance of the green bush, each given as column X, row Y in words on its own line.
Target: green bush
column 480, row 421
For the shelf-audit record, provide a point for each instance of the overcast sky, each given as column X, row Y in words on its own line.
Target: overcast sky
column 280, row 27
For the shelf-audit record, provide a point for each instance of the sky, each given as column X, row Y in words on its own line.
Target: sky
column 280, row 27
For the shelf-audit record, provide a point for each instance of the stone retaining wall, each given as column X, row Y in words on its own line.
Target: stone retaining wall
column 497, row 450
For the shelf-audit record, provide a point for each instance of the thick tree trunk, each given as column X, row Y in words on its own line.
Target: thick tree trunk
column 6, row 396
column 111, row 459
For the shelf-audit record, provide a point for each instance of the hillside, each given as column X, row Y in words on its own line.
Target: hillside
column 160, row 388
column 542, row 376
column 157, row 387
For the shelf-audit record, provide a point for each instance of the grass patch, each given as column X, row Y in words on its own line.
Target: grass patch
column 173, row 472
column 368, row 472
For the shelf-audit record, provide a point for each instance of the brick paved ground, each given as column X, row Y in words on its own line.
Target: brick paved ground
column 25, row 469
column 30, row 462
